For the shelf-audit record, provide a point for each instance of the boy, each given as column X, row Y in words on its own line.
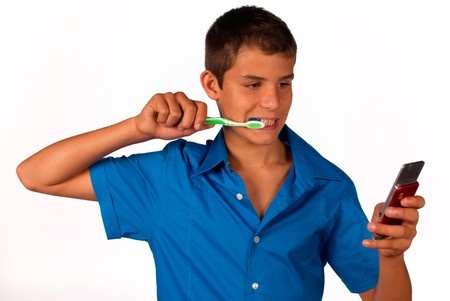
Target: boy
column 251, row 215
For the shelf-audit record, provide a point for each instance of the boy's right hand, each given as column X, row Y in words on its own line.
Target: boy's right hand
column 170, row 116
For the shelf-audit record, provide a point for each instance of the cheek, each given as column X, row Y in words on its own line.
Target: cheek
column 288, row 105
column 287, row 100
column 229, row 109
column 232, row 103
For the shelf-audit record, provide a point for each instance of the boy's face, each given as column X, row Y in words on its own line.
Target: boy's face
column 257, row 85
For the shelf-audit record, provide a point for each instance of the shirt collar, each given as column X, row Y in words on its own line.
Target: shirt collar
column 216, row 153
column 309, row 164
column 305, row 158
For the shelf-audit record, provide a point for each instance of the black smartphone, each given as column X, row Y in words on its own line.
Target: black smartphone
column 405, row 184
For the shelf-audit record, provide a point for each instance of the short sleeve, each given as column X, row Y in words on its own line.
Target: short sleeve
column 128, row 191
column 356, row 265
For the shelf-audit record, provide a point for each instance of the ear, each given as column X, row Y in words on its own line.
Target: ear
column 210, row 84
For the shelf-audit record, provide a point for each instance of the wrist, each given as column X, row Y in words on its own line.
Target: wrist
column 134, row 125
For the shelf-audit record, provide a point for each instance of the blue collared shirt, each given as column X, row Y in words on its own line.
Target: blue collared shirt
column 208, row 242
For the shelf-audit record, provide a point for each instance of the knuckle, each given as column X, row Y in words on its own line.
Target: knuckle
column 404, row 232
column 177, row 114
column 412, row 232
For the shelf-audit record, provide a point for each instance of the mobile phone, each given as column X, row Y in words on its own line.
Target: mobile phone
column 405, row 184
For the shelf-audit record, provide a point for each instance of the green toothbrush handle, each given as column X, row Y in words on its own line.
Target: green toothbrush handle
column 215, row 120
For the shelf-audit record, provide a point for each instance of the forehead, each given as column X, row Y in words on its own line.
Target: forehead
column 254, row 61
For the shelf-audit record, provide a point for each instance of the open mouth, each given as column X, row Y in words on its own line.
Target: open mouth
column 268, row 122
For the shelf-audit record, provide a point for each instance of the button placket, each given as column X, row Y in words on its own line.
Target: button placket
column 256, row 240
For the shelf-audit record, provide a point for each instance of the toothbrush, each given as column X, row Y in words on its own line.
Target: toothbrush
column 252, row 123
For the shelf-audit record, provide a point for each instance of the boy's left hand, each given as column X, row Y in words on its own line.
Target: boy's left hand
column 399, row 237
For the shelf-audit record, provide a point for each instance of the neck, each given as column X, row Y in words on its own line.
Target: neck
column 250, row 155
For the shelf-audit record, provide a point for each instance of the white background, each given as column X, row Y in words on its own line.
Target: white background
column 371, row 92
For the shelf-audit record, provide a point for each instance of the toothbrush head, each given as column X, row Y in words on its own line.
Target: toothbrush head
column 255, row 123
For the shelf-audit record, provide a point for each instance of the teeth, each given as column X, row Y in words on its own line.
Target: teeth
column 268, row 122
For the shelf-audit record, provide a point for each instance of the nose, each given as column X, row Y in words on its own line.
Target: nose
column 270, row 99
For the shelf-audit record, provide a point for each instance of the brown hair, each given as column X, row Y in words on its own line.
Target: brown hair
column 245, row 26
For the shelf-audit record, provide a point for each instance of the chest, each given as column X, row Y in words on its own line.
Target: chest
column 263, row 184
column 210, row 225
column 222, row 236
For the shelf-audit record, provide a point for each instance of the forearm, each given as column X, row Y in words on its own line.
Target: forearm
column 67, row 158
column 394, row 283
column 63, row 167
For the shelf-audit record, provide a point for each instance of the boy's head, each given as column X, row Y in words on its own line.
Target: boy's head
column 245, row 26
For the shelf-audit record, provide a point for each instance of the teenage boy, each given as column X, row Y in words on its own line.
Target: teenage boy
column 250, row 215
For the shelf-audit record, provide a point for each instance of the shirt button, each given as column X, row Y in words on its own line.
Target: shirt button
column 239, row 196
column 255, row 286
column 256, row 239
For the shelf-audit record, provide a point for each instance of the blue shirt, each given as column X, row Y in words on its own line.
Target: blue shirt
column 208, row 242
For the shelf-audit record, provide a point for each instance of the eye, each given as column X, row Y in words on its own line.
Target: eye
column 253, row 85
column 284, row 84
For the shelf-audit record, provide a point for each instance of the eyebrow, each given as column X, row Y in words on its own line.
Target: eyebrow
column 258, row 78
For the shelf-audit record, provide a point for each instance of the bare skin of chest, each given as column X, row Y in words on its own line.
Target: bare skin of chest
column 263, row 183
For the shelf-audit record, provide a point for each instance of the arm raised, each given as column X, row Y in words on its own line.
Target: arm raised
column 62, row 168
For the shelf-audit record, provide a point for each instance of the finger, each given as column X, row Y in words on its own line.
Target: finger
column 376, row 212
column 175, row 104
column 189, row 111
column 403, row 231
column 413, row 202
column 202, row 111
column 407, row 215
column 388, row 246
column 160, row 107
column 194, row 115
